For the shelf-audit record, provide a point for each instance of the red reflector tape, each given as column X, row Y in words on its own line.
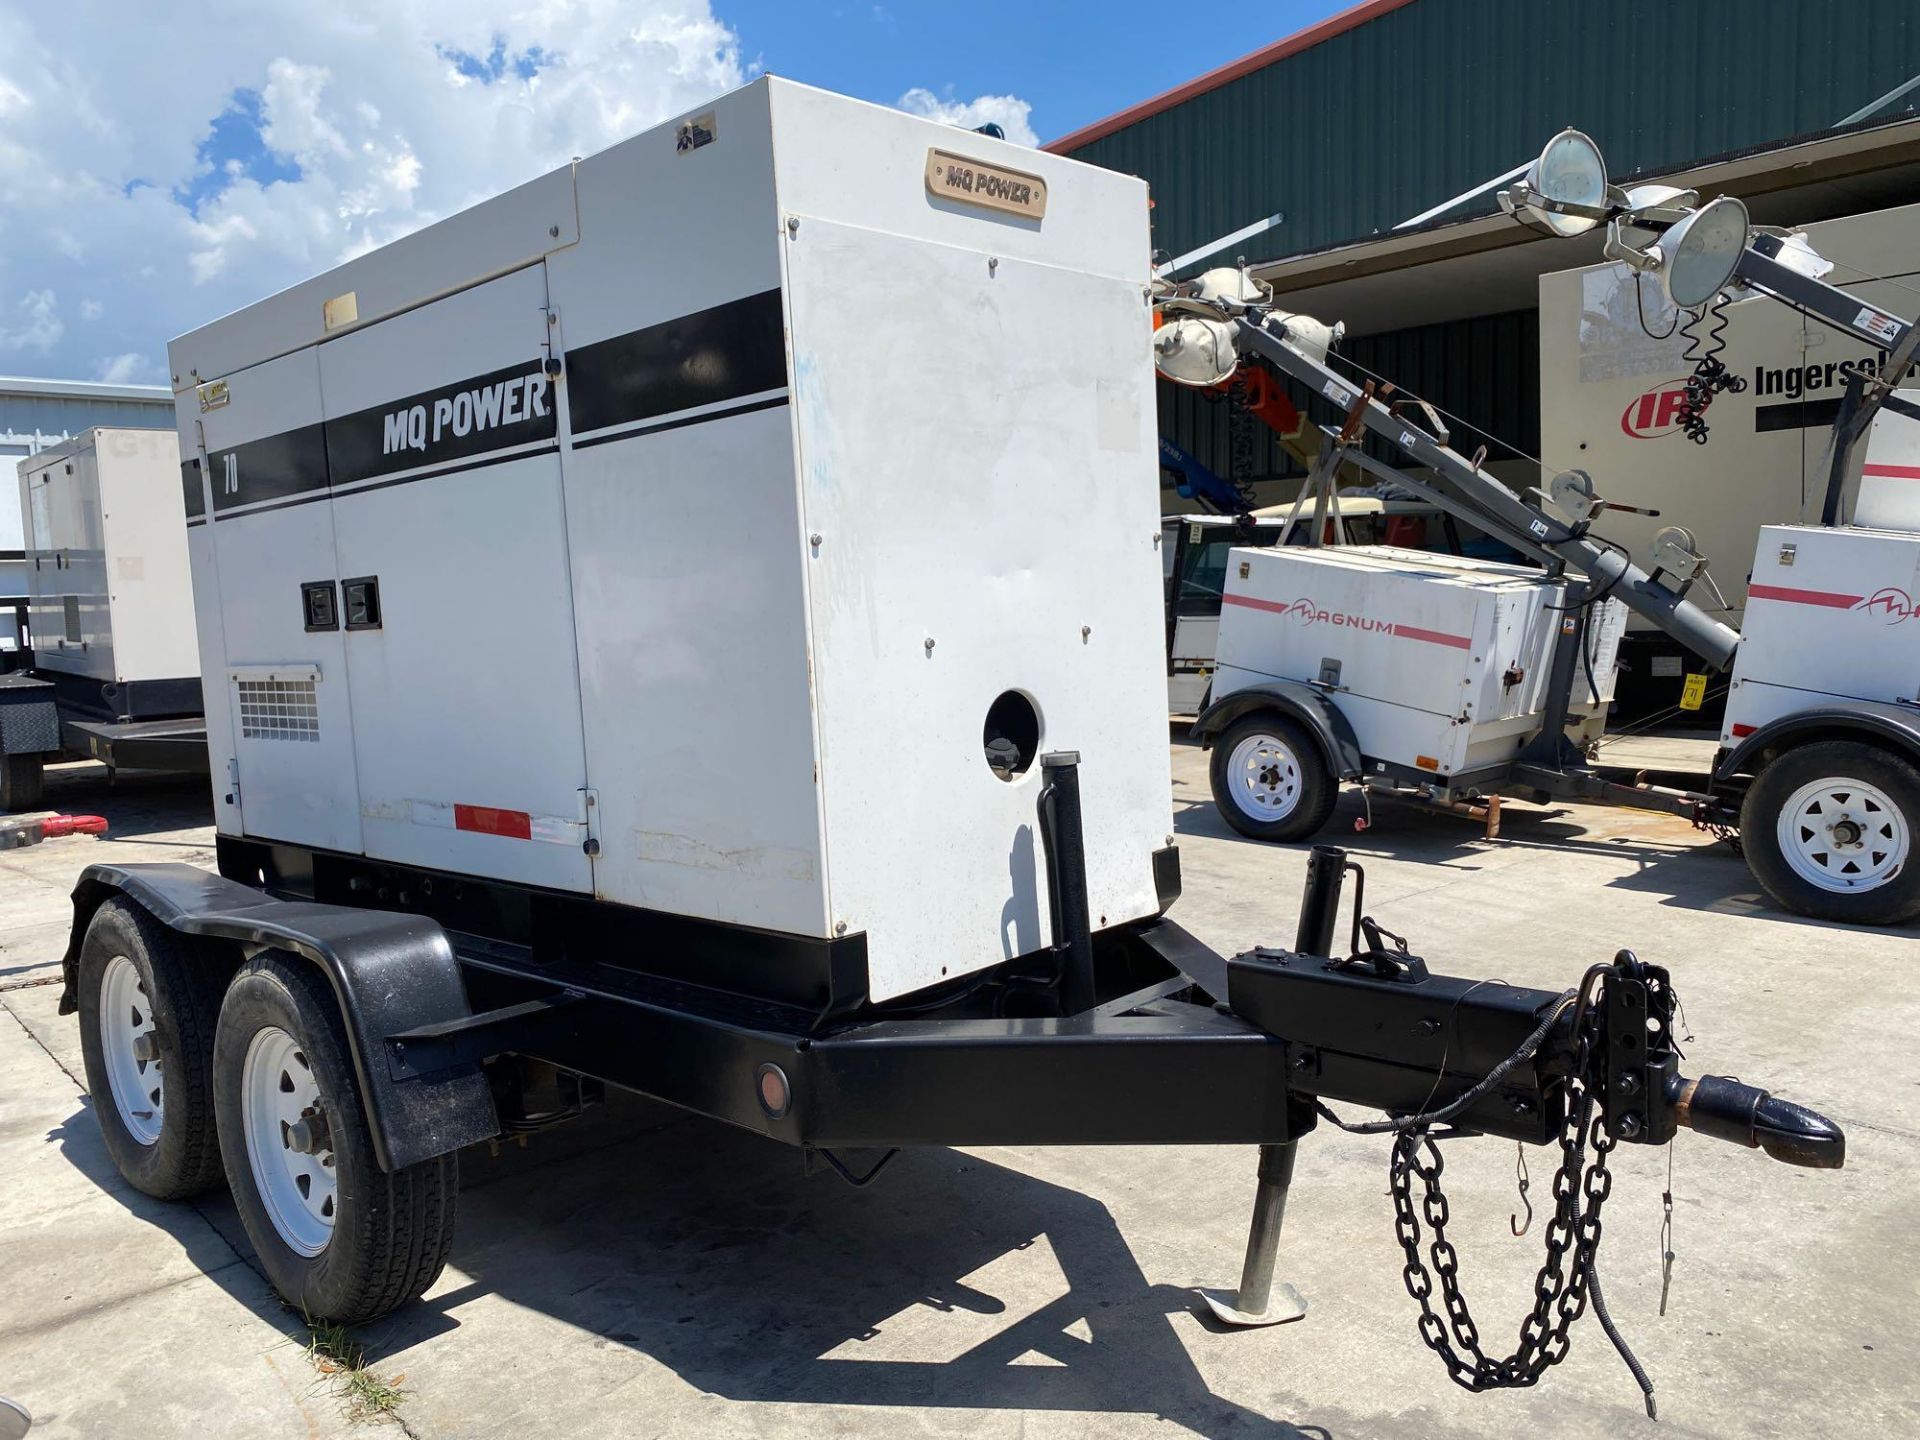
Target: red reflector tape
column 1740, row 732
column 485, row 820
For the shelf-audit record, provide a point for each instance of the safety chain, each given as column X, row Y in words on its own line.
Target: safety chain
column 1580, row 1188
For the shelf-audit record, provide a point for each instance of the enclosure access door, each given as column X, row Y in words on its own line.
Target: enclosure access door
column 268, row 529
column 454, row 603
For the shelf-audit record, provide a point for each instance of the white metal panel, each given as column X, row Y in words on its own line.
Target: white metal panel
column 1889, row 493
column 209, row 623
column 466, row 694
column 691, row 604
column 879, row 180
column 499, row 235
column 668, row 232
column 144, row 526
column 299, row 790
column 977, row 449
column 1831, row 612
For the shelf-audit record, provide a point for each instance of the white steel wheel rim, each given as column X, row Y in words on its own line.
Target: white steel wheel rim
column 300, row 1192
column 1264, row 777
column 1843, row 836
column 126, row 1014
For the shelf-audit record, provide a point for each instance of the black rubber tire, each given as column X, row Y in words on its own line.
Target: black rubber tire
column 392, row 1230
column 23, row 782
column 1319, row 791
column 1895, row 900
column 185, row 993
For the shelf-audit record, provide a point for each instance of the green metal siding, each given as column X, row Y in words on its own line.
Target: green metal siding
column 1357, row 133
column 1482, row 369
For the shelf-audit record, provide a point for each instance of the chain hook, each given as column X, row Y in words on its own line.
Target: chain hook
column 1514, row 1222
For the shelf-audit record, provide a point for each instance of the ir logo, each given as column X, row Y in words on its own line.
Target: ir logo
column 230, row 464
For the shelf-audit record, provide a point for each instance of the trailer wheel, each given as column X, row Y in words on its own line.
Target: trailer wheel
column 23, row 782
column 147, row 1012
column 340, row 1238
column 1829, row 830
column 1270, row 780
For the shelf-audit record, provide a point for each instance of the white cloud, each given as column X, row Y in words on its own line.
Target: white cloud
column 363, row 98
column 1011, row 114
column 128, row 369
column 33, row 323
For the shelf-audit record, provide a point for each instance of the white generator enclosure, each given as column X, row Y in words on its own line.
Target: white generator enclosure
column 1831, row 614
column 1440, row 663
column 106, row 559
column 679, row 529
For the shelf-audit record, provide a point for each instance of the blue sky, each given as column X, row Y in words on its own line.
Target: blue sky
column 158, row 169
column 1074, row 63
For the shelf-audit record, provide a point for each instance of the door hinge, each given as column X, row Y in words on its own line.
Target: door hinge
column 233, row 782
column 590, row 816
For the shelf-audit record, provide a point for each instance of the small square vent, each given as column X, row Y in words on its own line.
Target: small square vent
column 276, row 709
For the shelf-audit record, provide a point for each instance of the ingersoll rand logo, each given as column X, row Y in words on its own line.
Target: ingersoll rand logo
column 1656, row 413
column 1308, row 613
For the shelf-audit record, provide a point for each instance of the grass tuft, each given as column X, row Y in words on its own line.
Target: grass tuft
column 342, row 1360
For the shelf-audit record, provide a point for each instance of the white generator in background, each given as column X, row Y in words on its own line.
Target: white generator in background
column 774, row 657
column 115, row 670
column 1439, row 664
column 111, row 598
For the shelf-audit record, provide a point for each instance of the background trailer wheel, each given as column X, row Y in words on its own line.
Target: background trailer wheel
column 1270, row 780
column 148, row 1005
column 340, row 1238
column 23, row 782
column 1829, row 830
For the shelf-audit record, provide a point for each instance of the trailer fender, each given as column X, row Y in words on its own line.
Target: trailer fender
column 1894, row 726
column 1305, row 703
column 390, row 972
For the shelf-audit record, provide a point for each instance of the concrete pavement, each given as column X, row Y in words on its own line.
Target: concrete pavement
column 647, row 1273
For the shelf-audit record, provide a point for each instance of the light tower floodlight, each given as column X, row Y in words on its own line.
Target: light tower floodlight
column 1565, row 191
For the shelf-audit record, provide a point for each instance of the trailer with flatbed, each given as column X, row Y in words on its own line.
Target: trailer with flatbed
column 874, row 850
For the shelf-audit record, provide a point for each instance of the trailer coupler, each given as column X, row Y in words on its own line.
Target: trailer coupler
column 1587, row 1069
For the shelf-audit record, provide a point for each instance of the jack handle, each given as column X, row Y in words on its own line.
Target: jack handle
column 1747, row 1115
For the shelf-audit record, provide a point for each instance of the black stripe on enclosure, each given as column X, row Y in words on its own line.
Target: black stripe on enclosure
column 449, row 422
column 682, row 422
column 434, row 474
column 730, row 351
column 272, row 468
column 1795, row 415
column 190, row 484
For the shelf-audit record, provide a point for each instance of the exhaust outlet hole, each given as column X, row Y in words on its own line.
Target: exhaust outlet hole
column 1011, row 736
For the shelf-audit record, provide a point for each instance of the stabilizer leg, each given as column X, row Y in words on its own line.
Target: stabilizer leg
column 1259, row 1301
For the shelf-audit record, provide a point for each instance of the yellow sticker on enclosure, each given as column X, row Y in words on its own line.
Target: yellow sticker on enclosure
column 1694, row 693
column 954, row 177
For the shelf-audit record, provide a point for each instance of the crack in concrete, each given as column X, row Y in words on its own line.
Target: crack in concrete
column 27, row 1030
